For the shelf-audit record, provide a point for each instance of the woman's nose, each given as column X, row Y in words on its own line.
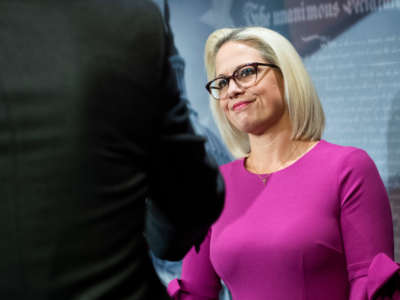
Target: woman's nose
column 234, row 89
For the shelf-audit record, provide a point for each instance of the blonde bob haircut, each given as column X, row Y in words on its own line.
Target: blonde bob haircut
column 305, row 110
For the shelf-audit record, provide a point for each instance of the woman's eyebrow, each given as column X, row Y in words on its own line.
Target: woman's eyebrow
column 234, row 70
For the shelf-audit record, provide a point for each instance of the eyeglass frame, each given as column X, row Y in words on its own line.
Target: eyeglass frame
column 254, row 64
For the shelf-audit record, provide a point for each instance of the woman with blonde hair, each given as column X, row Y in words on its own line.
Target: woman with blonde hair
column 303, row 218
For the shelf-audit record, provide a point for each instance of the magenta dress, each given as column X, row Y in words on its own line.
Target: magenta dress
column 311, row 231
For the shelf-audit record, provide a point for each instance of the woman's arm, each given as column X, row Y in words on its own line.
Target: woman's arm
column 365, row 219
column 199, row 280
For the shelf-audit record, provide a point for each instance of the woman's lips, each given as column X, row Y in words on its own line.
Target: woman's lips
column 240, row 105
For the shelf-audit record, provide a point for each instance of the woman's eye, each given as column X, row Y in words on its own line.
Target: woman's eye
column 247, row 71
column 222, row 83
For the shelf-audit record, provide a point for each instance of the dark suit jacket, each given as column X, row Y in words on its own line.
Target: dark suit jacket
column 91, row 124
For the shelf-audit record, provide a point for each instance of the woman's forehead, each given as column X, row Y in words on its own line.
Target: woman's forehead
column 233, row 54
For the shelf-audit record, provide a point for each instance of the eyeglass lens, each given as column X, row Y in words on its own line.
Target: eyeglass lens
column 244, row 77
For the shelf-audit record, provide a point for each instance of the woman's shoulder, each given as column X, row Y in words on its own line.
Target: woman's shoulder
column 337, row 150
column 349, row 156
column 231, row 166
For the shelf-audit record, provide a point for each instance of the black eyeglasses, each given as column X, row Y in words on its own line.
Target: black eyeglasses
column 244, row 76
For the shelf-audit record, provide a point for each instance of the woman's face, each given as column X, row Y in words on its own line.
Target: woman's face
column 255, row 109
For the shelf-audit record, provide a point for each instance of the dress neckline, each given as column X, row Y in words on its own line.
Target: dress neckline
column 289, row 167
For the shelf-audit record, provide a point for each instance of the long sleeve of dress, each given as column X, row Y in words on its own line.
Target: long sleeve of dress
column 199, row 280
column 365, row 219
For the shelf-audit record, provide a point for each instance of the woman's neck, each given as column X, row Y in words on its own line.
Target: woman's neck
column 269, row 151
column 274, row 151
